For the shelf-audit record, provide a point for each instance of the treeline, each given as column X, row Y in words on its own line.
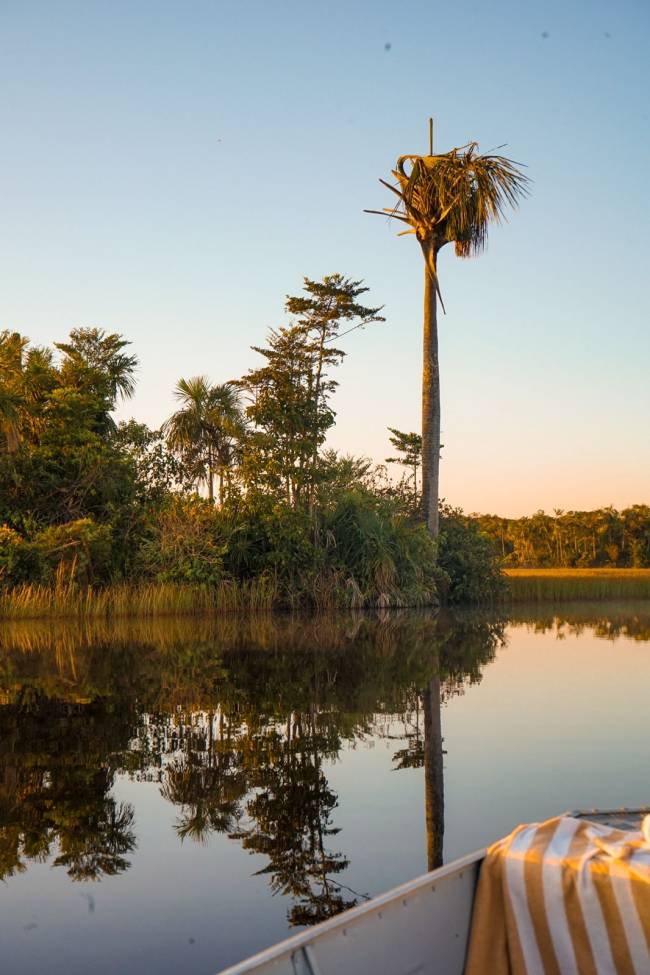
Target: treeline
column 87, row 502
column 572, row 539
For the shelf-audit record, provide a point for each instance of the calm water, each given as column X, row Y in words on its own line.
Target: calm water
column 176, row 795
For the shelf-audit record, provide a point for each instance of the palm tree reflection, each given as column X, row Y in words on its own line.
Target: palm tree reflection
column 434, row 786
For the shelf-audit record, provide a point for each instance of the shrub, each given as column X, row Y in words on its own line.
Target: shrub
column 390, row 558
column 468, row 559
column 17, row 559
column 264, row 537
column 79, row 551
column 184, row 543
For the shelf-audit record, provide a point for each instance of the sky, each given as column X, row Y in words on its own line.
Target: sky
column 172, row 170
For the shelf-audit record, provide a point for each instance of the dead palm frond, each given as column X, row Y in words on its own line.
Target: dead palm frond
column 453, row 197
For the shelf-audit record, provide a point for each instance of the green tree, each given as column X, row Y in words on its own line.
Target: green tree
column 444, row 198
column 409, row 449
column 287, row 424
column 27, row 377
column 94, row 358
column 157, row 471
column 63, row 464
column 291, row 392
column 206, row 431
column 321, row 312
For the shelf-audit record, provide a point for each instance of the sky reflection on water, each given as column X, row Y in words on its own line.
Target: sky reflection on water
column 161, row 781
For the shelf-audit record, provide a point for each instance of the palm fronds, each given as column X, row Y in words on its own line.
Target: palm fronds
column 453, row 197
column 205, row 431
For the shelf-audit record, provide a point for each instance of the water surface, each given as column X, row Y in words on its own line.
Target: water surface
column 175, row 795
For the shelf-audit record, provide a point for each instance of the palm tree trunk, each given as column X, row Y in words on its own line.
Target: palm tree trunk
column 221, row 488
column 434, row 786
column 210, row 480
column 430, row 406
column 319, row 372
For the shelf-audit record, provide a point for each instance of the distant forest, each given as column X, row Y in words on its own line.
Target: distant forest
column 572, row 539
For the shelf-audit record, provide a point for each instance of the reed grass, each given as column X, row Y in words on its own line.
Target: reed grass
column 63, row 600
column 565, row 585
column 68, row 600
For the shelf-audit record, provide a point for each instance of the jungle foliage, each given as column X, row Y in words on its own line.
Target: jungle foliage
column 86, row 502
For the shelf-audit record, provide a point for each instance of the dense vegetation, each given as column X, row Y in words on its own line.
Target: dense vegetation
column 286, row 522
column 604, row 538
column 235, row 502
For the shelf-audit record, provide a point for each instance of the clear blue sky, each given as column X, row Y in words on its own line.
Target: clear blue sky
column 172, row 170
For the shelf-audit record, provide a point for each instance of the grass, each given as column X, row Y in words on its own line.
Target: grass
column 68, row 600
column 153, row 599
column 564, row 585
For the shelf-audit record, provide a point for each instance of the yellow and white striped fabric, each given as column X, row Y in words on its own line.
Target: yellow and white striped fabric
column 564, row 897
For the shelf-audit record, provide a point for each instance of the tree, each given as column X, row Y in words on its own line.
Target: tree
column 156, row 470
column 205, row 431
column 60, row 462
column 91, row 350
column 288, row 424
column 604, row 537
column 27, row 377
column 325, row 307
column 96, row 363
column 444, row 198
column 409, row 448
column 291, row 391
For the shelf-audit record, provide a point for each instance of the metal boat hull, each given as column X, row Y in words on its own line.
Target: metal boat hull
column 419, row 928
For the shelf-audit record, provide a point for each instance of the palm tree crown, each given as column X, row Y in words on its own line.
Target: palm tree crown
column 452, row 197
column 207, row 427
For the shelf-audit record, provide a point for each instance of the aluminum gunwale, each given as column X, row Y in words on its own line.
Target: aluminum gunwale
column 350, row 917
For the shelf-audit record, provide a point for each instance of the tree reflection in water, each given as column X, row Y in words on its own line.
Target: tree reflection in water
column 57, row 767
column 237, row 720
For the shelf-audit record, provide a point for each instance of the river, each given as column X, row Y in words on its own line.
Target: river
column 176, row 794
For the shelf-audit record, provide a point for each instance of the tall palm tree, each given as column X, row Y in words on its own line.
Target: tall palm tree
column 206, row 429
column 444, row 198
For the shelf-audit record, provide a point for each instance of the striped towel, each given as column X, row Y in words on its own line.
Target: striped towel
column 564, row 897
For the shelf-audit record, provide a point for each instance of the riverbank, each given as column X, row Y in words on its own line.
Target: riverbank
column 264, row 595
column 261, row 595
column 566, row 585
